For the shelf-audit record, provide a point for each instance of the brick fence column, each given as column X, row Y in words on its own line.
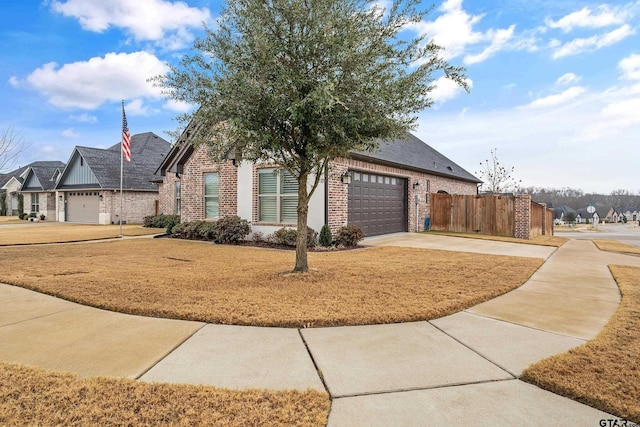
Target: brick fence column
column 544, row 218
column 523, row 217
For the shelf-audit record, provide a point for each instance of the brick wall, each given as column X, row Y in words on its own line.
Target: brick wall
column 428, row 183
column 137, row 205
column 523, row 217
column 192, row 187
column 167, row 194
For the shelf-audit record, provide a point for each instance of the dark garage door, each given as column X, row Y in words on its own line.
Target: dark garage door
column 377, row 203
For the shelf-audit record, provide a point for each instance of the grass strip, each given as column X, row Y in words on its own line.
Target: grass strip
column 32, row 396
column 603, row 373
column 616, row 246
column 34, row 233
column 540, row 240
column 250, row 286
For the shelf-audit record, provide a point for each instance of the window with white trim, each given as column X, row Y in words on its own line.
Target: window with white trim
column 178, row 197
column 35, row 202
column 211, row 206
column 277, row 196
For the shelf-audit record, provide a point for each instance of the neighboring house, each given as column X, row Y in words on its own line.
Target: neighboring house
column 560, row 213
column 12, row 182
column 382, row 192
column 89, row 187
column 630, row 214
column 38, row 189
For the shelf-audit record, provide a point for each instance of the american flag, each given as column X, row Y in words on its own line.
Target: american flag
column 126, row 137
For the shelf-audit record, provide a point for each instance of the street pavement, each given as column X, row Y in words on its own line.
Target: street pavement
column 462, row 368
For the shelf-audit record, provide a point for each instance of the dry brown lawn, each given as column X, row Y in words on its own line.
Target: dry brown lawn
column 10, row 220
column 251, row 286
column 35, row 233
column 616, row 246
column 605, row 372
column 540, row 240
column 31, row 396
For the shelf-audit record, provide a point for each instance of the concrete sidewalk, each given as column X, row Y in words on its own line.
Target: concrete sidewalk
column 462, row 368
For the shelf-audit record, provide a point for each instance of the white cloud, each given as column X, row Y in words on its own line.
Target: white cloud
column 557, row 99
column 89, row 84
column 178, row 106
column 70, row 133
column 499, row 39
column 146, row 20
column 84, row 118
column 446, row 89
column 599, row 41
column 14, row 81
column 630, row 67
column 567, row 79
column 137, row 108
column 585, row 18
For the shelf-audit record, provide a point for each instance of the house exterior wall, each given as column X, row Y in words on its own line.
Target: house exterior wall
column 46, row 204
column 417, row 212
column 12, row 188
column 137, row 205
column 192, row 187
column 238, row 187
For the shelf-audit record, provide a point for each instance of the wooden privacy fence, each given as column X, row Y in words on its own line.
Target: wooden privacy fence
column 497, row 215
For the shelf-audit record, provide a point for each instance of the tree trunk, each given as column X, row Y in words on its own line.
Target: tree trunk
column 302, row 265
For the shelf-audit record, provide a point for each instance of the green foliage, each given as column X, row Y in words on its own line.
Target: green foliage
column 349, row 236
column 299, row 83
column 20, row 204
column 284, row 236
column 288, row 237
column 161, row 221
column 325, row 236
column 570, row 217
column 3, row 203
column 231, row 229
column 23, row 215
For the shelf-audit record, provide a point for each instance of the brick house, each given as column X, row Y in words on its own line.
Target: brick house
column 88, row 190
column 12, row 182
column 38, row 189
column 382, row 192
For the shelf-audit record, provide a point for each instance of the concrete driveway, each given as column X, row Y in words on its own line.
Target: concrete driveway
column 461, row 244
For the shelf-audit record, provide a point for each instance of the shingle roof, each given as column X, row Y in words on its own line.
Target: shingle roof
column 416, row 154
column 44, row 171
column 39, row 164
column 147, row 152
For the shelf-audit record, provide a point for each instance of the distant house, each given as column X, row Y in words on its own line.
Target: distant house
column 560, row 213
column 38, row 189
column 386, row 191
column 616, row 215
column 11, row 183
column 89, row 186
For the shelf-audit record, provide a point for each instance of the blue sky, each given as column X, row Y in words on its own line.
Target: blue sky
column 555, row 84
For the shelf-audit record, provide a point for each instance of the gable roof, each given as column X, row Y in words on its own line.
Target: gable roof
column 17, row 173
column 39, row 176
column 410, row 152
column 147, row 151
column 407, row 153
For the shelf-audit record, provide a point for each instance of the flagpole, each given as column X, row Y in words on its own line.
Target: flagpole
column 121, row 170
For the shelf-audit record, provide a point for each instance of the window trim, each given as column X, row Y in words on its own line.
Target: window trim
column 206, row 196
column 35, row 196
column 278, row 195
column 178, row 197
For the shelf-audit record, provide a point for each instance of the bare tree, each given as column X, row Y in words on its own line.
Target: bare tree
column 11, row 145
column 496, row 177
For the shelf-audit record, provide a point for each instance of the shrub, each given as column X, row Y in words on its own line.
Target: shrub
column 258, row 237
column 161, row 221
column 3, row 203
column 349, row 236
column 23, row 215
column 284, row 236
column 20, row 204
column 325, row 236
column 288, row 236
column 231, row 229
column 194, row 230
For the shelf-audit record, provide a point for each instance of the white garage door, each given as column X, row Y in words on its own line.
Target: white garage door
column 83, row 206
